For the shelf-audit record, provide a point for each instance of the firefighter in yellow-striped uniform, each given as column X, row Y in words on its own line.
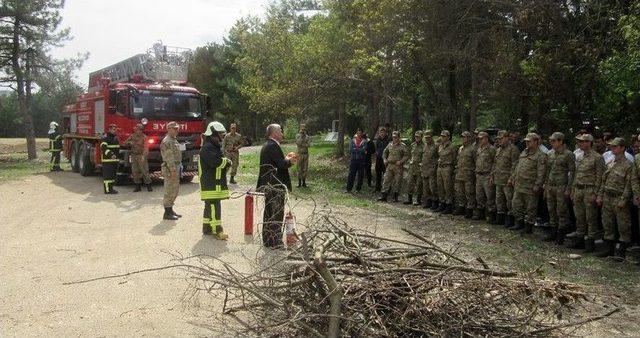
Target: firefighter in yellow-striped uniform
column 110, row 148
column 212, row 168
column 55, row 146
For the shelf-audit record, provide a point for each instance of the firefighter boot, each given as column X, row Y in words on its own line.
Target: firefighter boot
column 149, row 188
column 383, row 198
column 409, row 200
column 479, row 216
column 169, row 215
column 174, row 213
column 621, row 252
column 395, row 197
column 232, row 180
column 206, row 229
column 138, row 187
column 560, row 236
column 459, row 211
column 418, row 200
column 589, row 245
column 220, row 235
column 609, row 249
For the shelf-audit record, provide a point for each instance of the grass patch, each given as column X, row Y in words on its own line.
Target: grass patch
column 16, row 165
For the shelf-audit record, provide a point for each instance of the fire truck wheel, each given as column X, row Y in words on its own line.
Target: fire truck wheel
column 75, row 150
column 84, row 160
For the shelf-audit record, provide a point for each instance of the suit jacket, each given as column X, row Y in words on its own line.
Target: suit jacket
column 274, row 169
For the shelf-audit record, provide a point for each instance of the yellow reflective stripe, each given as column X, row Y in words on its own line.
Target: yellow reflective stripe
column 107, row 160
column 224, row 163
column 214, row 222
column 206, row 220
column 52, row 150
column 104, row 144
column 58, row 137
column 214, row 194
column 113, row 146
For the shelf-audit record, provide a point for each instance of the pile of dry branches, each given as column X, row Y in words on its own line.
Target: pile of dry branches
column 346, row 282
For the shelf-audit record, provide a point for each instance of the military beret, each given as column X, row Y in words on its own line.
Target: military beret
column 585, row 137
column 618, row 141
column 557, row 136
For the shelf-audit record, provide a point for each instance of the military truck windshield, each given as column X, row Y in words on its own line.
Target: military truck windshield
column 169, row 105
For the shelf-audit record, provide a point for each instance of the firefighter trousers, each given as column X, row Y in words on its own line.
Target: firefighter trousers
column 212, row 217
column 109, row 172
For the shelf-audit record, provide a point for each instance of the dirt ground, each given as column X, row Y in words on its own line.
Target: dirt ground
column 60, row 227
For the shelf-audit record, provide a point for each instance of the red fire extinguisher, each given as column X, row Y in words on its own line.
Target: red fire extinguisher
column 290, row 229
column 248, row 214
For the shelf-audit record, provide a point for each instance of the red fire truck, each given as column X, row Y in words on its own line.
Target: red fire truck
column 149, row 88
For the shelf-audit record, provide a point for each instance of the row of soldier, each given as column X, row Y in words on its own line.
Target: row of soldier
column 503, row 185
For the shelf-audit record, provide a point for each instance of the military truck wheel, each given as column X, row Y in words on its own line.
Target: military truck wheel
column 84, row 160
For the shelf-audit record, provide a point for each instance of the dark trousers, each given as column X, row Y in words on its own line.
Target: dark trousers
column 109, row 172
column 356, row 169
column 54, row 164
column 367, row 171
column 273, row 217
column 212, row 217
column 380, row 169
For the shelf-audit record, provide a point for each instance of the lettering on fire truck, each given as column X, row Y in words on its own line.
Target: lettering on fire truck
column 162, row 126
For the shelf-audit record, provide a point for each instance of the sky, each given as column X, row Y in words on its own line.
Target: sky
column 113, row 30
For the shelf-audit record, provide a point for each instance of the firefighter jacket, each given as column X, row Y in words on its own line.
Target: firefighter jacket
column 110, row 146
column 55, row 141
column 212, row 168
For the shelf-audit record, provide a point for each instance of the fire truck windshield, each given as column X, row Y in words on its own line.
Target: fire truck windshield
column 170, row 105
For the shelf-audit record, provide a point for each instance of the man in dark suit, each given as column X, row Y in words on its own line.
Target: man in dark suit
column 274, row 181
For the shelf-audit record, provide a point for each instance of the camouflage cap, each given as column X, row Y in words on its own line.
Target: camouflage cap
column 139, row 126
column 532, row 137
column 502, row 133
column 466, row 134
column 173, row 125
column 585, row 137
column 618, row 141
column 557, row 136
column 483, row 134
column 445, row 133
column 428, row 133
column 476, row 131
column 418, row 133
column 395, row 134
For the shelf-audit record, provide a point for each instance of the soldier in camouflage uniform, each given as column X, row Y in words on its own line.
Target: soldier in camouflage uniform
column 614, row 196
column 171, row 162
column 588, row 177
column 303, row 142
column 139, row 151
column 446, row 160
column 414, row 179
column 465, row 177
column 231, row 145
column 557, row 188
column 505, row 163
column 428, row 167
column 394, row 157
column 527, row 180
column 485, row 191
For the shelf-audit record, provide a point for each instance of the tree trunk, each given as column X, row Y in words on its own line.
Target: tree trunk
column 340, row 141
column 415, row 112
column 473, row 112
column 23, row 106
column 388, row 110
column 450, row 118
column 374, row 114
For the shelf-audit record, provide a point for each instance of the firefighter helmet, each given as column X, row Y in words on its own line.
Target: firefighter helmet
column 215, row 126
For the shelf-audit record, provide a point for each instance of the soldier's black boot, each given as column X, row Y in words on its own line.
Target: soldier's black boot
column 435, row 205
column 551, row 235
column 299, row 183
column 577, row 242
column 492, row 218
column 560, row 236
column 441, row 207
column 459, row 211
column 508, row 221
column 479, row 216
column 232, row 180
column 149, row 188
column 621, row 252
column 518, row 225
column 304, row 182
column 174, row 213
column 383, row 198
column 589, row 245
column 409, row 200
column 138, row 187
column 468, row 213
column 528, row 228
column 448, row 210
column 427, row 204
column 395, row 197
column 608, row 250
column 418, row 200
column 169, row 215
